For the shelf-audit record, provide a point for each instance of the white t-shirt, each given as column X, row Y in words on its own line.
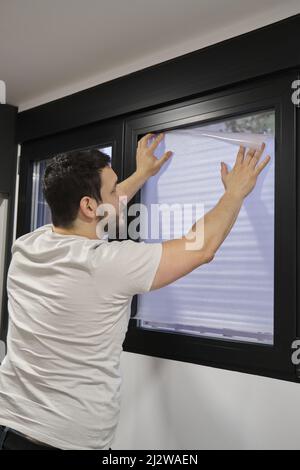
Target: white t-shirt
column 69, row 301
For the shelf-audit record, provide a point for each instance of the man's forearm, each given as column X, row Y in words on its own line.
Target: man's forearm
column 217, row 223
column 132, row 184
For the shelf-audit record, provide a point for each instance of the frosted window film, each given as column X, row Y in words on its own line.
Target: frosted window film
column 40, row 211
column 232, row 297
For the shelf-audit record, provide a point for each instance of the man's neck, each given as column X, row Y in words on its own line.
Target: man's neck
column 82, row 232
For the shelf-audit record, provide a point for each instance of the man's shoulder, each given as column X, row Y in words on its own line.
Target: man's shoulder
column 30, row 235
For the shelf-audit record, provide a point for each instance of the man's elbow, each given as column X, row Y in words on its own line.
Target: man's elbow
column 203, row 256
column 208, row 256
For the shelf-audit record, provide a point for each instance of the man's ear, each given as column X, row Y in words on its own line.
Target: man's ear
column 88, row 206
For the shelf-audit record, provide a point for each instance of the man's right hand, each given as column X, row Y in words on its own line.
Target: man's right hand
column 242, row 178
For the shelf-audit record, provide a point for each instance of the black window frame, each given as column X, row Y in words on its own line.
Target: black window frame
column 102, row 134
column 271, row 92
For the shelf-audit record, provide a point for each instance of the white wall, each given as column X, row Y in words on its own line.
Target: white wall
column 176, row 405
column 223, row 28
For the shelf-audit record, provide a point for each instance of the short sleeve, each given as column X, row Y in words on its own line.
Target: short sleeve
column 130, row 265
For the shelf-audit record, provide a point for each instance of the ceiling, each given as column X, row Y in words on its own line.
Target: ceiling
column 51, row 48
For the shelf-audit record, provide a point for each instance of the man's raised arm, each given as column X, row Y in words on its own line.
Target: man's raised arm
column 181, row 256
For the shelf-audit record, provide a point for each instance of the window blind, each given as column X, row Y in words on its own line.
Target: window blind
column 231, row 297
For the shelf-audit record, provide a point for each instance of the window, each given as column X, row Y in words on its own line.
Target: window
column 232, row 297
column 33, row 211
column 240, row 311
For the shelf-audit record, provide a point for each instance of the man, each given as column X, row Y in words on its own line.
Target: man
column 70, row 292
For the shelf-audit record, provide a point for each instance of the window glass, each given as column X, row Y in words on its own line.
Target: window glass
column 231, row 297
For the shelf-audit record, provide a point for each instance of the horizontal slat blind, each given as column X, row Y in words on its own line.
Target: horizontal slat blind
column 231, row 297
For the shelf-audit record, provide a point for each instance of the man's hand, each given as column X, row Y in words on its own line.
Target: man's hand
column 147, row 165
column 146, row 162
column 242, row 178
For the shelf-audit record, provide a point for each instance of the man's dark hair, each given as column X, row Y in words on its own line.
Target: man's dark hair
column 68, row 178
